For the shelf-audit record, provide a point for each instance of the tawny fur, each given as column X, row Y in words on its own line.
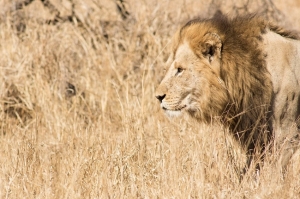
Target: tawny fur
column 227, row 71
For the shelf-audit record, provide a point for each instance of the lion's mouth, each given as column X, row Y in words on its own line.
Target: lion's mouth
column 176, row 109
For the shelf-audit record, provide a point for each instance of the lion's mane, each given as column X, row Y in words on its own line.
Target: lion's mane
column 243, row 70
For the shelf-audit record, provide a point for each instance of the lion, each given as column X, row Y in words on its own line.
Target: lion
column 243, row 71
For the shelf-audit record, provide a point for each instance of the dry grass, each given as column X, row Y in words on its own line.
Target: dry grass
column 79, row 118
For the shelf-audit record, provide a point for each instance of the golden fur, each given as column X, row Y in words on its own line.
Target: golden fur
column 227, row 69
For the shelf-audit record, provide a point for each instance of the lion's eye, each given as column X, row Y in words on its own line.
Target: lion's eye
column 179, row 70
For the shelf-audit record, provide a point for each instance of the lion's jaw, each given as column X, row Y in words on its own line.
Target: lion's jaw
column 188, row 85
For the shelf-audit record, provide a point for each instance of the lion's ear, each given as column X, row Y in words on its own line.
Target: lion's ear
column 211, row 48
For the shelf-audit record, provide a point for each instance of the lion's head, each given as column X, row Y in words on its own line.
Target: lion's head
column 217, row 70
column 192, row 83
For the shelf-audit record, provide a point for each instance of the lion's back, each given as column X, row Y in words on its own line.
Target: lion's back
column 283, row 64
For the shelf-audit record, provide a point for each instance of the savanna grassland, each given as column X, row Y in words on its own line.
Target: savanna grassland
column 78, row 116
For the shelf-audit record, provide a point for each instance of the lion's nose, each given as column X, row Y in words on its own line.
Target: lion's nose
column 160, row 97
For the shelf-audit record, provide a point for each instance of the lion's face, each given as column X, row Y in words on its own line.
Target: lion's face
column 192, row 84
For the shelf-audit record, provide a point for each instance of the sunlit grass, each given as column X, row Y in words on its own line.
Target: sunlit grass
column 79, row 118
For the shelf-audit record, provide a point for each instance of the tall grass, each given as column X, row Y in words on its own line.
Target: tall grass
column 78, row 116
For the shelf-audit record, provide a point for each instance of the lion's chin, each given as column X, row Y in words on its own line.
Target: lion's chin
column 172, row 113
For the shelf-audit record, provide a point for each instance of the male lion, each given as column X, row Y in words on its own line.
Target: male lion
column 244, row 71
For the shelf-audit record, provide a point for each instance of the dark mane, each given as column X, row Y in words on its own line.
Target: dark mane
column 243, row 69
column 223, row 22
